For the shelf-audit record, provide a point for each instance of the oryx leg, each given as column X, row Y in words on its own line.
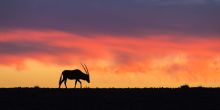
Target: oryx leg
column 65, row 83
column 61, row 83
column 80, row 83
column 75, row 83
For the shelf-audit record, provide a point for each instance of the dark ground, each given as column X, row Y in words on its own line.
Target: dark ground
column 110, row 99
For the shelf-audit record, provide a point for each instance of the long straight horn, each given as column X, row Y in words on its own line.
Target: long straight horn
column 83, row 67
column 87, row 69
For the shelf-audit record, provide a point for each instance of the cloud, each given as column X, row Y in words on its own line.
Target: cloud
column 215, row 63
column 116, row 17
column 187, row 2
column 113, row 54
column 26, row 47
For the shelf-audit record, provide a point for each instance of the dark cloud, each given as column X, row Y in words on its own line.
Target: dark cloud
column 31, row 47
column 126, row 17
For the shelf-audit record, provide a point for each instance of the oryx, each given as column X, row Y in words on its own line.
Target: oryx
column 75, row 74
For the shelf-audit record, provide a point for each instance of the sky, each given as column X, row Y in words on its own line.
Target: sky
column 124, row 43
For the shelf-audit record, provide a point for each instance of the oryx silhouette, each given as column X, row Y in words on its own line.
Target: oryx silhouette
column 75, row 75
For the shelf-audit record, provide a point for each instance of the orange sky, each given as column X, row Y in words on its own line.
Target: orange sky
column 36, row 58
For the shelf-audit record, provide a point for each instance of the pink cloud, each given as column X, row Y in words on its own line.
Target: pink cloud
column 164, row 53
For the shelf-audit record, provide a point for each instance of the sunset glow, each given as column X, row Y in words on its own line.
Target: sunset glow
column 132, row 56
column 138, row 62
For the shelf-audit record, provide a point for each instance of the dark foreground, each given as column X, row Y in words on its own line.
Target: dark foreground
column 110, row 99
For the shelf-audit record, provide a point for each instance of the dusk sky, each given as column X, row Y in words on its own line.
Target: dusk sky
column 124, row 43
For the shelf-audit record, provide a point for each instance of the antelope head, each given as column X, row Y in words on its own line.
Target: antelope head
column 87, row 72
